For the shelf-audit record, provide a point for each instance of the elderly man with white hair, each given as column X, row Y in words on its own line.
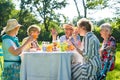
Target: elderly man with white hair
column 108, row 45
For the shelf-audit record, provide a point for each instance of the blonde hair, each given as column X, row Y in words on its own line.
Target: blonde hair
column 70, row 26
column 33, row 28
column 75, row 28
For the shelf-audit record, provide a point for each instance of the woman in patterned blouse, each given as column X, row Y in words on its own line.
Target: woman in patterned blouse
column 92, row 64
column 108, row 45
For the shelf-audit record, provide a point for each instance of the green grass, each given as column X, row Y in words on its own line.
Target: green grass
column 115, row 74
column 0, row 44
column 1, row 63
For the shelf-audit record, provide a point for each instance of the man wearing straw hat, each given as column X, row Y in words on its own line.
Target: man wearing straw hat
column 12, row 50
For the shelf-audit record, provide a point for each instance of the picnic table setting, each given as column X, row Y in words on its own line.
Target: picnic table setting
column 52, row 62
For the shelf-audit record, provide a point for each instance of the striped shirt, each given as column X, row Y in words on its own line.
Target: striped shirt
column 92, row 63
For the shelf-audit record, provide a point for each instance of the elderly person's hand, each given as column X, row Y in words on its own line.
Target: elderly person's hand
column 30, row 39
column 101, row 51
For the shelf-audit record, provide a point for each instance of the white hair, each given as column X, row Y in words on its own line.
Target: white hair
column 107, row 27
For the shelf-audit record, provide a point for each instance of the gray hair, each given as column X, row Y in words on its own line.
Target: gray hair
column 106, row 26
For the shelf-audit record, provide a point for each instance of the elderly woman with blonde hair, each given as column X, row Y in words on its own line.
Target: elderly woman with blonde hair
column 108, row 45
column 33, row 31
column 12, row 50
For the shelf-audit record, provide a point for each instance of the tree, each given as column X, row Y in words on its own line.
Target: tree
column 77, row 8
column 7, row 11
column 26, row 19
column 6, row 6
column 94, row 5
column 115, row 7
column 90, row 4
column 44, row 10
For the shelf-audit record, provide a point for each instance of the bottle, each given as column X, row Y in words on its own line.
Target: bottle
column 58, row 43
column 43, row 46
column 54, row 45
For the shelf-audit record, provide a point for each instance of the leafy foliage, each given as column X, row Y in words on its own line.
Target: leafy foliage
column 44, row 9
column 5, row 10
column 115, row 31
column 6, row 7
column 93, row 4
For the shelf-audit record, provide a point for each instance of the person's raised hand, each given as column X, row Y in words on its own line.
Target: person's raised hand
column 30, row 39
column 54, row 33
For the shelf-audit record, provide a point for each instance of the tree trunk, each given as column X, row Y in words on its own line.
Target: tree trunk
column 85, row 12
column 44, row 15
column 85, row 9
column 77, row 8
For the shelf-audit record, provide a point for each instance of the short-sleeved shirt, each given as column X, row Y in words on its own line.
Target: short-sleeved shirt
column 6, row 44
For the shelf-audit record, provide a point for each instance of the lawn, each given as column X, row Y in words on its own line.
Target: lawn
column 115, row 74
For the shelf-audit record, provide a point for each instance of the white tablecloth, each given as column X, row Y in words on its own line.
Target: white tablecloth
column 45, row 66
